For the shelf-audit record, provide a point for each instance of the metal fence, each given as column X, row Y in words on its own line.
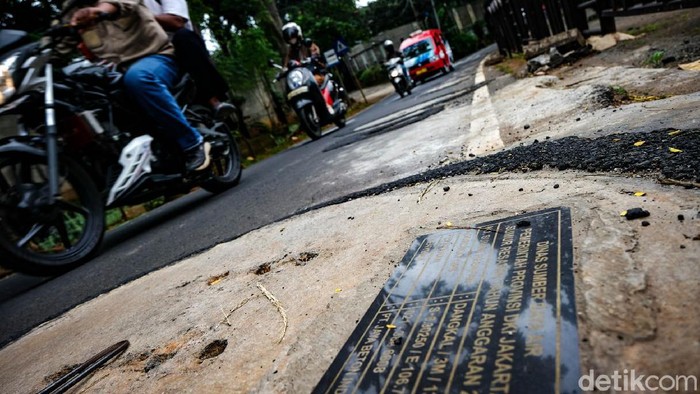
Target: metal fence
column 514, row 23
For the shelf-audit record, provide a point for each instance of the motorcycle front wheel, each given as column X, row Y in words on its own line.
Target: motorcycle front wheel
column 310, row 121
column 42, row 239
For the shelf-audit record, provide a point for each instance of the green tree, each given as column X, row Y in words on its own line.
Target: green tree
column 326, row 21
column 28, row 15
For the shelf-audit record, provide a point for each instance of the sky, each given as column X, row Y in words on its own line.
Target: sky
column 362, row 3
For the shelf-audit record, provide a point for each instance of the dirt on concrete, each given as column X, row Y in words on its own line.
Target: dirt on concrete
column 194, row 328
column 663, row 40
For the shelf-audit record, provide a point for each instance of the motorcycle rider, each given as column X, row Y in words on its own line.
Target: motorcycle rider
column 139, row 46
column 300, row 49
column 191, row 53
column 391, row 53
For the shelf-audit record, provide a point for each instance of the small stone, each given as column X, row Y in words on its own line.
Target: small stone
column 522, row 223
column 645, row 223
column 470, row 194
column 635, row 213
column 521, row 189
column 556, row 186
column 681, row 218
column 682, row 246
column 527, row 126
column 472, row 155
column 578, row 119
column 446, row 188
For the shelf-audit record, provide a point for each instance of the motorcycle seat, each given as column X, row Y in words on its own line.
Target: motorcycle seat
column 184, row 90
column 326, row 80
column 94, row 74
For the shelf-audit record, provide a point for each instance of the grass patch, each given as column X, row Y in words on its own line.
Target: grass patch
column 512, row 65
column 646, row 29
column 621, row 96
column 655, row 59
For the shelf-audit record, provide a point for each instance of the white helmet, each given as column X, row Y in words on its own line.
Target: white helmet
column 389, row 47
column 291, row 32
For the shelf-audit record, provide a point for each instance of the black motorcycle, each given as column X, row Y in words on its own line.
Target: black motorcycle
column 78, row 146
column 305, row 96
column 401, row 82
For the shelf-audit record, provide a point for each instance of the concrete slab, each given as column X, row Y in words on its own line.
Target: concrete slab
column 636, row 287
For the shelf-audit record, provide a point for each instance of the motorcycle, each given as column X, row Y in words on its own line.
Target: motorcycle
column 397, row 76
column 79, row 147
column 306, row 97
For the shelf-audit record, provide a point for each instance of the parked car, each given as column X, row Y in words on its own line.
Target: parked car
column 426, row 52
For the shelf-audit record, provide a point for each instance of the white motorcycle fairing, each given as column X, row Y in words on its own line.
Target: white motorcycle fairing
column 135, row 159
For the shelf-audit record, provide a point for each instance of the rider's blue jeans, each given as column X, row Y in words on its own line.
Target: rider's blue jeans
column 148, row 81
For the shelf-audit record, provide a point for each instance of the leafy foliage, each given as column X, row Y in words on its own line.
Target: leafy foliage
column 246, row 61
column 326, row 21
column 28, row 15
column 373, row 76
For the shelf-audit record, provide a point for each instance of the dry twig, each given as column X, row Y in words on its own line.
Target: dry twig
column 227, row 315
column 467, row 228
column 669, row 181
column 279, row 307
column 427, row 189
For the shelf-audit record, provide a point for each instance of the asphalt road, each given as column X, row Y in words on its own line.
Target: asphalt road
column 292, row 181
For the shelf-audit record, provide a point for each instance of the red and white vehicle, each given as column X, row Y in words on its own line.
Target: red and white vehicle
column 426, row 52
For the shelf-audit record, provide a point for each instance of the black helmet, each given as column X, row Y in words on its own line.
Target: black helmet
column 291, row 32
column 389, row 47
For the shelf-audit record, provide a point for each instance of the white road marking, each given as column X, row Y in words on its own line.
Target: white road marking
column 483, row 132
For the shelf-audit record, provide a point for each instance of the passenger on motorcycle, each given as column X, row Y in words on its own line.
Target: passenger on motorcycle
column 299, row 50
column 138, row 45
column 191, row 54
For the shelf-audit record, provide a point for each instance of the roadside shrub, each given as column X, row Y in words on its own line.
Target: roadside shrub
column 372, row 76
column 463, row 43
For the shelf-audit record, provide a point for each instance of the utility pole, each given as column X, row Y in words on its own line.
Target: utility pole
column 413, row 8
column 437, row 20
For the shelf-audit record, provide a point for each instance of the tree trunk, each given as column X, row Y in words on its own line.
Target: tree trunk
column 271, row 23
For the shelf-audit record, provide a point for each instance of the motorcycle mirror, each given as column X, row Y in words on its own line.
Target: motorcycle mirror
column 308, row 42
column 270, row 62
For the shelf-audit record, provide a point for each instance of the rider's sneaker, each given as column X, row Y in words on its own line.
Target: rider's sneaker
column 223, row 111
column 197, row 158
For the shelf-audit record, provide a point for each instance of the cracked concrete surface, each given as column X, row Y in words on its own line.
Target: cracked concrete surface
column 635, row 285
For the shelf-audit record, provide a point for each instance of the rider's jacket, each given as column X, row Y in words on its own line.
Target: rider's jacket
column 134, row 34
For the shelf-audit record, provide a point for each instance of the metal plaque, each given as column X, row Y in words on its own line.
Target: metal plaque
column 485, row 309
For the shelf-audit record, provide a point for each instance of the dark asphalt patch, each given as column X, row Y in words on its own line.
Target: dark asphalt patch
column 394, row 124
column 615, row 154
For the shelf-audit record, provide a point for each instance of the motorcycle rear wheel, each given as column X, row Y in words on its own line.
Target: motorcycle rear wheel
column 340, row 122
column 46, row 240
column 310, row 121
column 226, row 169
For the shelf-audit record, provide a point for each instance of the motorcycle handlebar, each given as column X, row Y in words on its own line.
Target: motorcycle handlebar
column 68, row 29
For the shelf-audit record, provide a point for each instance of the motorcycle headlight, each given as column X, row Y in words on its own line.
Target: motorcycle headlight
column 433, row 58
column 394, row 73
column 295, row 78
column 7, row 85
